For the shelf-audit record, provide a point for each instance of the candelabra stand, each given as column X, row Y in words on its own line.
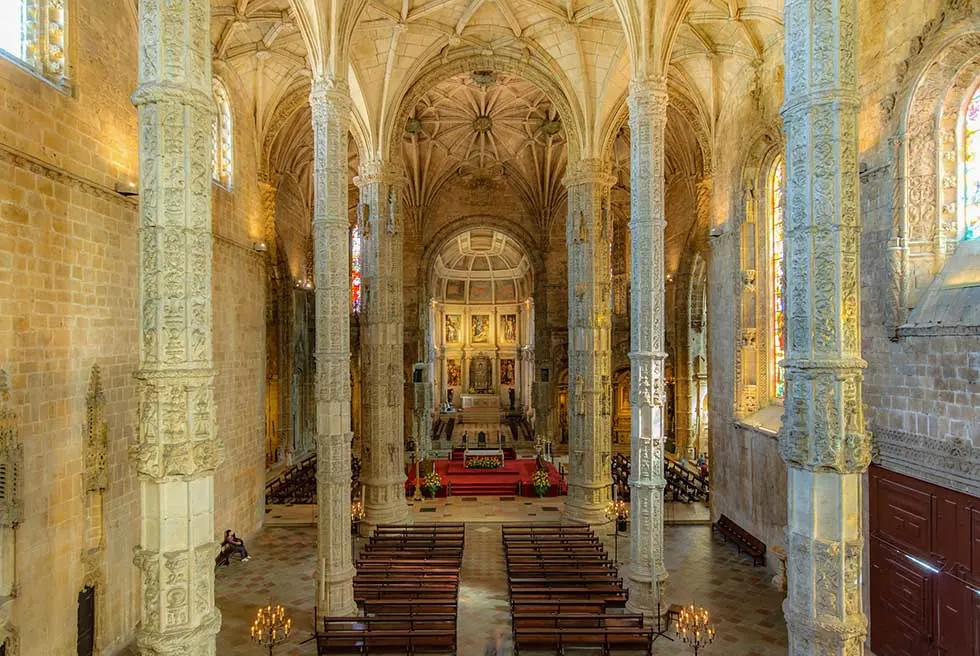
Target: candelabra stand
column 271, row 627
column 356, row 515
column 694, row 628
column 618, row 512
column 661, row 632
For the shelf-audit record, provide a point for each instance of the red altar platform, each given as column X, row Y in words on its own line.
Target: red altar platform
column 501, row 481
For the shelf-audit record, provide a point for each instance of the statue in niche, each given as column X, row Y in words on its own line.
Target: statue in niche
column 452, row 328
column 481, row 375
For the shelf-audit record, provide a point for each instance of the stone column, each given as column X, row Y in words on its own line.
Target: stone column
column 176, row 449
column 330, row 105
column 646, row 575
column 823, row 438
column 382, row 344
column 589, row 236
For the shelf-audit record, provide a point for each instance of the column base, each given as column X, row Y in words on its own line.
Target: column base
column 384, row 505
column 337, row 599
column 645, row 593
column 587, row 504
column 197, row 640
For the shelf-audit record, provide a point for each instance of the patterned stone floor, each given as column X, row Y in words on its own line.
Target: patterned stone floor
column 746, row 607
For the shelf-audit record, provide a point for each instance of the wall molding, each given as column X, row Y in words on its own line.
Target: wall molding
column 952, row 463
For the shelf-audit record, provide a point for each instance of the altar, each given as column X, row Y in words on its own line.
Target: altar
column 470, row 454
column 481, row 401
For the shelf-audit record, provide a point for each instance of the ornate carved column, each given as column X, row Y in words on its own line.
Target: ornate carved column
column 823, row 437
column 589, row 236
column 330, row 104
column 176, row 449
column 648, row 116
column 382, row 344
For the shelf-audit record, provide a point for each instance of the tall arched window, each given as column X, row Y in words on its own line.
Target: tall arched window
column 971, row 168
column 355, row 269
column 776, row 199
column 222, row 135
column 33, row 33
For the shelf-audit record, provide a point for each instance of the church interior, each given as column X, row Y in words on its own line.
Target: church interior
column 489, row 326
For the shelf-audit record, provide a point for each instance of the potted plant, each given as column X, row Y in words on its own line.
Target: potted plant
column 541, row 480
column 431, row 483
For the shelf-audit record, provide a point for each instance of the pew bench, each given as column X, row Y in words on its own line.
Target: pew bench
column 403, row 606
column 608, row 640
column 743, row 540
column 386, row 642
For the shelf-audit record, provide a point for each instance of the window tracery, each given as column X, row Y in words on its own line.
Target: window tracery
column 776, row 191
column 33, row 33
column 221, row 134
column 971, row 167
column 355, row 269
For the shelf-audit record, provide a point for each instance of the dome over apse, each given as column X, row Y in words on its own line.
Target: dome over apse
column 481, row 265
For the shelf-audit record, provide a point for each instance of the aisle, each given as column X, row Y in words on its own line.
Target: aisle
column 483, row 603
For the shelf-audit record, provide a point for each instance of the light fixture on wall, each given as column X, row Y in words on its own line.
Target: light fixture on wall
column 259, row 247
column 127, row 188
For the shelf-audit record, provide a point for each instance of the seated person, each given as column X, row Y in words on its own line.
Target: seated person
column 237, row 545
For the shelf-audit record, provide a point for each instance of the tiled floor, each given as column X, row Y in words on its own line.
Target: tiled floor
column 702, row 569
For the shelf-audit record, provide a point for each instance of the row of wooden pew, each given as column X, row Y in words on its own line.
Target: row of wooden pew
column 407, row 585
column 562, row 585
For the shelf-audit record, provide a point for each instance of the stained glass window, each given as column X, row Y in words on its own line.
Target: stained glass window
column 33, row 33
column 971, row 169
column 222, row 136
column 355, row 269
column 777, row 201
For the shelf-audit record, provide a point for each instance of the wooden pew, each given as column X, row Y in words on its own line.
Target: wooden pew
column 743, row 540
column 557, row 606
column 607, row 639
column 403, row 606
column 386, row 642
column 612, row 596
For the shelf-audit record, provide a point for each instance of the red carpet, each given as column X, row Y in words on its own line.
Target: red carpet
column 488, row 482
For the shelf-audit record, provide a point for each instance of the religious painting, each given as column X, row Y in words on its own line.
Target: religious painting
column 481, row 328
column 507, row 372
column 453, row 328
column 455, row 291
column 508, row 327
column 452, row 373
column 481, row 375
column 481, row 292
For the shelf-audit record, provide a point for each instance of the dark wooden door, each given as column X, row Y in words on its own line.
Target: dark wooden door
column 86, row 621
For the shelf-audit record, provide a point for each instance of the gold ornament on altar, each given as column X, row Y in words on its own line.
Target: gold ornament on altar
column 694, row 628
column 271, row 627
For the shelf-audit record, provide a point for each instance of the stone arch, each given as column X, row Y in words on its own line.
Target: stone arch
column 558, row 92
column 925, row 213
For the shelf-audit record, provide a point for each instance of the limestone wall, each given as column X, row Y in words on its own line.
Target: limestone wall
column 68, row 300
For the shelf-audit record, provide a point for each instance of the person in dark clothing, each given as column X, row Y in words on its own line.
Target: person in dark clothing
column 236, row 544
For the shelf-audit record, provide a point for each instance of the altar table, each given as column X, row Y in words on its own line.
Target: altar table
column 483, row 453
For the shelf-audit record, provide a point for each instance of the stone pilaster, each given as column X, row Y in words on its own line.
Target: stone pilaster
column 589, row 236
column 823, row 437
column 330, row 105
column 646, row 574
column 382, row 344
column 176, row 450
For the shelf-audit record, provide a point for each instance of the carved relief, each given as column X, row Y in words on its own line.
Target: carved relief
column 96, row 435
column 11, row 460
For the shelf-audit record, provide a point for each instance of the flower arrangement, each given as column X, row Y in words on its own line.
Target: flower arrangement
column 432, row 482
column 541, row 480
column 483, row 462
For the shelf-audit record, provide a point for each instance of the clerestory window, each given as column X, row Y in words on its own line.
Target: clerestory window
column 33, row 33
column 221, row 132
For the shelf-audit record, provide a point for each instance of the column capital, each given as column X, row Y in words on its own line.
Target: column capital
column 589, row 171
column 647, row 97
column 375, row 171
column 329, row 94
